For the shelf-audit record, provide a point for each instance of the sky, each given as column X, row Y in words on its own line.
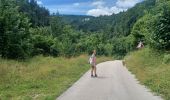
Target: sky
column 87, row 7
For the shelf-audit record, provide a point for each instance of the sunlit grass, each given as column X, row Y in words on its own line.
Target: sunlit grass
column 149, row 68
column 40, row 78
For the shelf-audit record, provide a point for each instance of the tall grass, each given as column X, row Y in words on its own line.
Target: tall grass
column 40, row 78
column 152, row 68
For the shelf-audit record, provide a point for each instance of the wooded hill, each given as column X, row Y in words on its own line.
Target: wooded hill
column 26, row 30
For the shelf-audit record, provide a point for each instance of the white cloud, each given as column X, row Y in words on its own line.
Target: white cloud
column 105, row 11
column 39, row 2
column 98, row 12
column 102, row 9
column 99, row 9
column 98, row 4
column 126, row 3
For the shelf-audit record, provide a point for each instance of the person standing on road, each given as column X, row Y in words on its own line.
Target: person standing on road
column 93, row 64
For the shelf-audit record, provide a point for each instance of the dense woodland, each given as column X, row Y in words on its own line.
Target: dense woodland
column 27, row 29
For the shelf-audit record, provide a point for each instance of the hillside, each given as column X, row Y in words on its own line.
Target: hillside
column 28, row 30
column 52, row 34
column 76, row 20
column 116, row 24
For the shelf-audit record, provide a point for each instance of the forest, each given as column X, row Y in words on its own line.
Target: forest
column 43, row 53
column 27, row 29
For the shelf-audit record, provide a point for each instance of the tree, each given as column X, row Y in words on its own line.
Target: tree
column 38, row 15
column 56, row 25
column 161, row 35
column 14, row 31
column 143, row 29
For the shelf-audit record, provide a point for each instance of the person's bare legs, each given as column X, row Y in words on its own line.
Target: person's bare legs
column 92, row 69
column 95, row 70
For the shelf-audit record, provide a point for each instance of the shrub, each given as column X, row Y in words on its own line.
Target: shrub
column 166, row 58
column 161, row 35
column 14, row 31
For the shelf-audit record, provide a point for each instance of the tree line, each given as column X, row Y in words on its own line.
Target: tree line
column 27, row 29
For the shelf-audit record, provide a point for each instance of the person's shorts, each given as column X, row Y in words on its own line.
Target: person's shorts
column 93, row 64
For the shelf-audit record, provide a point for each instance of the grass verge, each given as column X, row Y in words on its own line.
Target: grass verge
column 152, row 68
column 40, row 78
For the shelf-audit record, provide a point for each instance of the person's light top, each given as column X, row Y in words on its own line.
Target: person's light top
column 94, row 58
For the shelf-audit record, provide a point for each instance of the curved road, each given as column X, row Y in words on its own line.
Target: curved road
column 114, row 82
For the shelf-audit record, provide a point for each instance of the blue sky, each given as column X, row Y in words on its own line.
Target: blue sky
column 88, row 7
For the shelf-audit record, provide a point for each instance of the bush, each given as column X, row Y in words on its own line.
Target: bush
column 108, row 49
column 55, row 48
column 14, row 31
column 122, row 45
column 142, row 29
column 161, row 35
column 166, row 58
column 43, row 42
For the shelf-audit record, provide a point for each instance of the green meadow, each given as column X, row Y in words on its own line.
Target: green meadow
column 40, row 78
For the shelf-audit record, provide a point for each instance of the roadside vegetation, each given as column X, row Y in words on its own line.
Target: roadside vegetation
column 28, row 30
column 151, row 64
column 152, row 68
column 40, row 78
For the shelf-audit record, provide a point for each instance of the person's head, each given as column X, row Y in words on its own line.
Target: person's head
column 94, row 51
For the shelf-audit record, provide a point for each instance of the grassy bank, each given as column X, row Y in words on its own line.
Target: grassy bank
column 40, row 78
column 152, row 69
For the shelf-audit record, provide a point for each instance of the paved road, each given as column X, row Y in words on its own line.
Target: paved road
column 114, row 82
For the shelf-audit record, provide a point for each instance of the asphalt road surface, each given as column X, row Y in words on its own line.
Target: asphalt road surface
column 114, row 82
